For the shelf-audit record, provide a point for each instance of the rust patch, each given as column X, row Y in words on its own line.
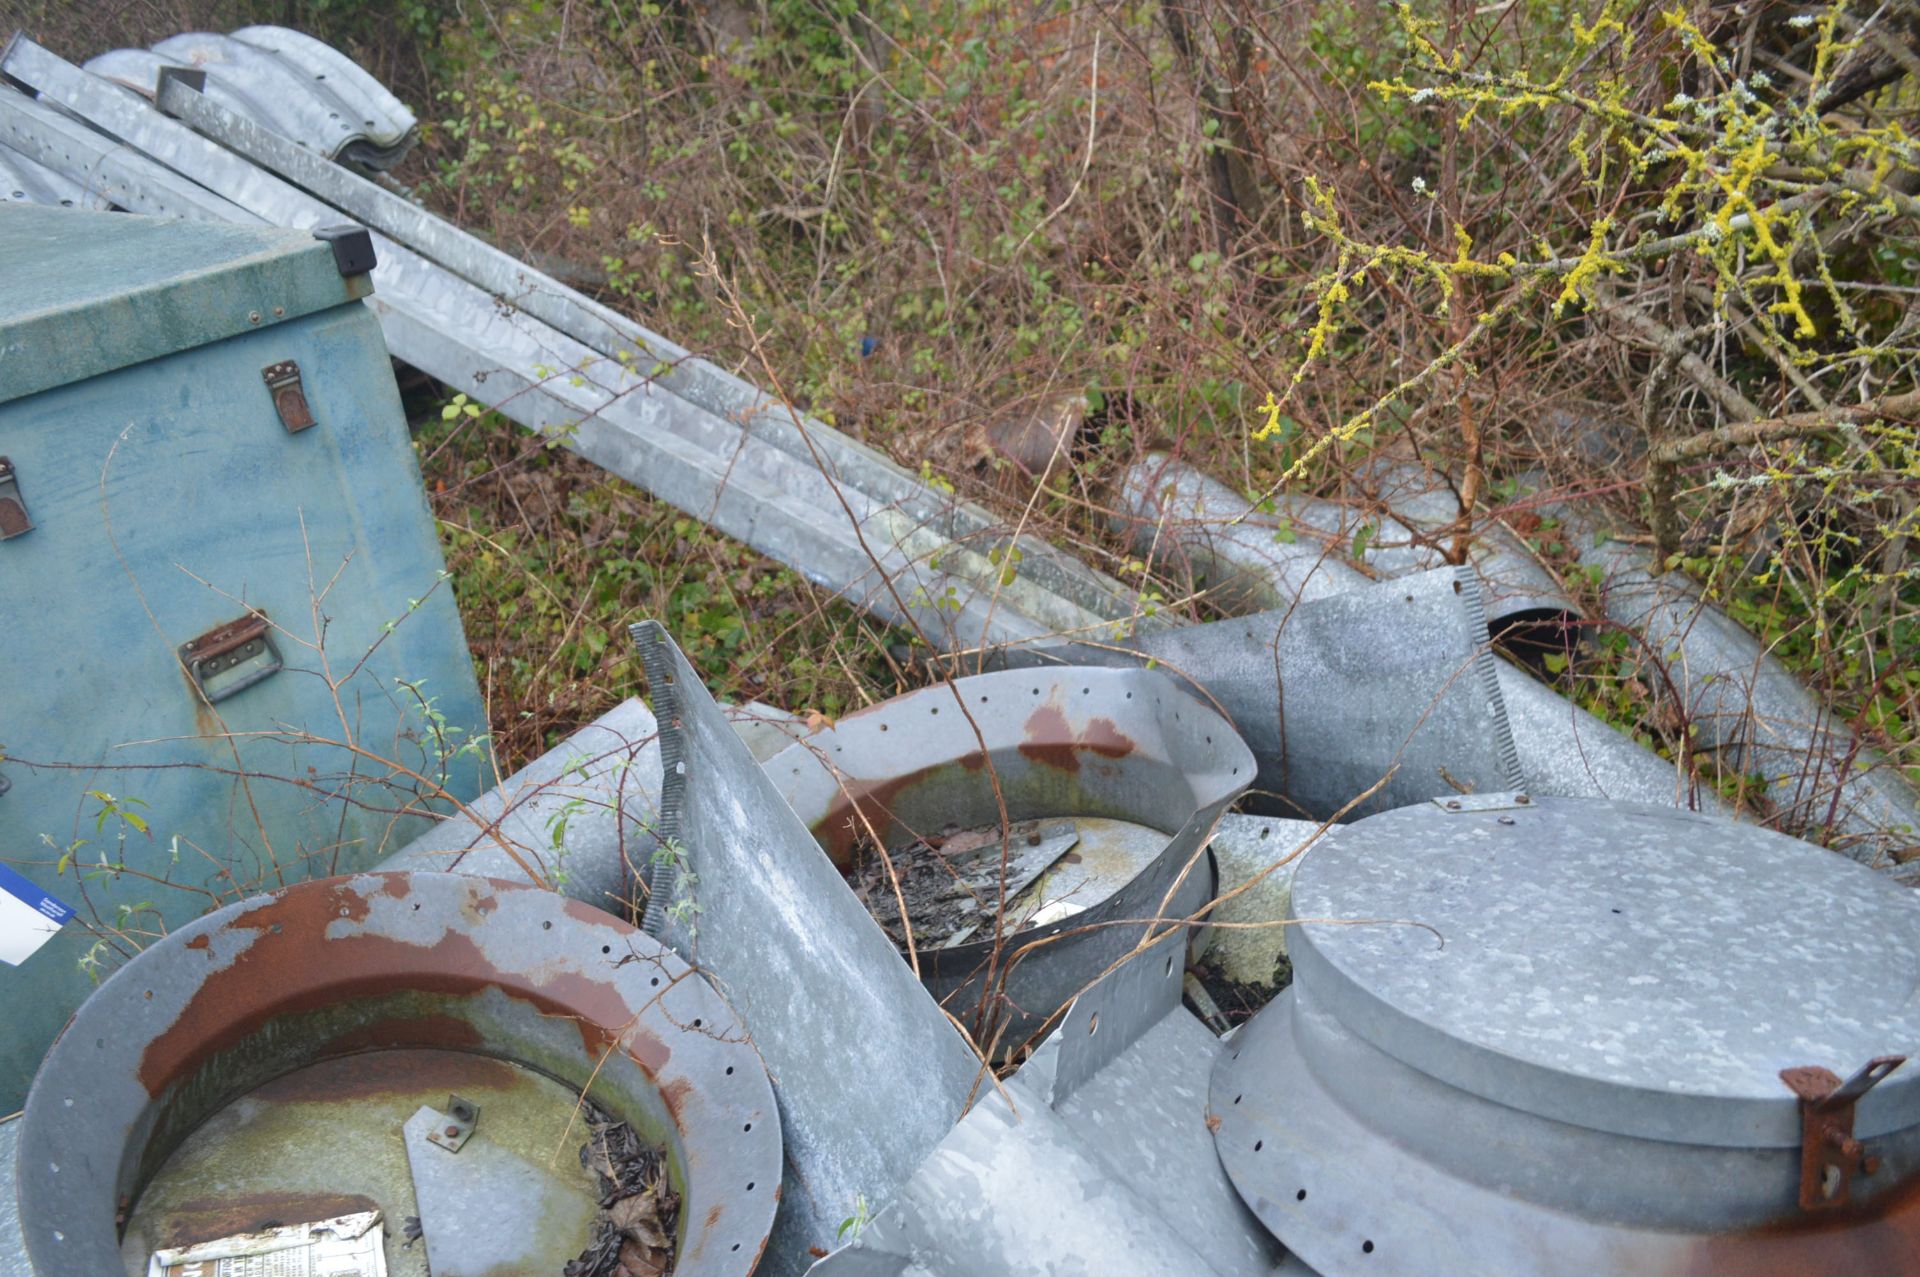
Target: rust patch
column 207, row 1219
column 291, row 968
column 200, row 942
column 1104, row 737
column 713, row 1215
column 404, row 1071
column 1050, row 739
column 673, row 1095
column 1882, row 1237
column 841, row 828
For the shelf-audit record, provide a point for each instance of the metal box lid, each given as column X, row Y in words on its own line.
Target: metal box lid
column 1626, row 968
column 1551, row 1037
column 89, row 292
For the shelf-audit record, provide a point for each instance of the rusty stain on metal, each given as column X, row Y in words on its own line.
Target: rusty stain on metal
column 1879, row 1237
column 293, row 966
column 1049, row 738
column 862, row 803
column 231, row 1214
column 1829, row 1154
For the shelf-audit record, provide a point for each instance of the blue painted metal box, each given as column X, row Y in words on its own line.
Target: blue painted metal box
column 228, row 656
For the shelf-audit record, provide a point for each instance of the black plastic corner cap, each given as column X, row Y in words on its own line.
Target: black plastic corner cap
column 352, row 247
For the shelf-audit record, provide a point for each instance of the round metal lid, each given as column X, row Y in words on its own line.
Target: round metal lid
column 1629, row 968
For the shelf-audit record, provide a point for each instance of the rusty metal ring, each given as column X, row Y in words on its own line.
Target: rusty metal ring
column 389, row 961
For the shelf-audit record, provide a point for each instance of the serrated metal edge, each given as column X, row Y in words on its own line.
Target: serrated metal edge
column 657, row 656
column 1488, row 664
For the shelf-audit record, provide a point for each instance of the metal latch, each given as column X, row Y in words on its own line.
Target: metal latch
column 13, row 509
column 289, row 397
column 453, row 1131
column 231, row 658
column 1829, row 1155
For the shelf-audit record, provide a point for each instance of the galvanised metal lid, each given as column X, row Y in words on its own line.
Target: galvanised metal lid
column 90, row 292
column 1625, row 968
column 1557, row 1037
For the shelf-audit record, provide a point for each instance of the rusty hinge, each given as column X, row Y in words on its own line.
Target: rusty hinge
column 1829, row 1155
column 14, row 519
column 289, row 397
column 230, row 658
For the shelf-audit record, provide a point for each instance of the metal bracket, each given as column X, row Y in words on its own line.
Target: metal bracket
column 456, row 1129
column 1829, row 1154
column 14, row 519
column 289, row 396
column 231, row 658
column 1507, row 801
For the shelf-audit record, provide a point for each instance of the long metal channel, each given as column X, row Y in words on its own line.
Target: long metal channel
column 109, row 171
column 1745, row 702
column 662, row 362
column 1256, row 562
column 1515, row 588
column 871, row 1074
column 885, row 560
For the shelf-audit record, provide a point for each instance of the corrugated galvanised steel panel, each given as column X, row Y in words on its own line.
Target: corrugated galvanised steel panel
column 168, row 499
column 295, row 85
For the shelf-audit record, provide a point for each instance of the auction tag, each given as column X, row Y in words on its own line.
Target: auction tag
column 348, row 1246
column 29, row 917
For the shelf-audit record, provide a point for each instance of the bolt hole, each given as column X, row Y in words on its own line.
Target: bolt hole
column 729, row 1070
column 1238, row 1098
column 1036, row 691
column 656, row 982
column 606, row 948
column 936, row 709
column 747, row 1127
column 1300, row 1196
column 696, row 1022
column 750, row 1189
column 1258, row 1145
column 883, row 727
column 736, row 1245
column 1366, row 1248
column 1169, row 970
column 547, row 925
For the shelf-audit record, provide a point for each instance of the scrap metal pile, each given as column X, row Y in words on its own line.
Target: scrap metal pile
column 1544, row 1018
